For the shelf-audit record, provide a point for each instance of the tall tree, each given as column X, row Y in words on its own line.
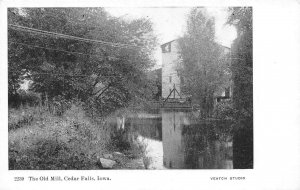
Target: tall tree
column 43, row 58
column 110, row 71
column 242, row 71
column 242, row 61
column 203, row 60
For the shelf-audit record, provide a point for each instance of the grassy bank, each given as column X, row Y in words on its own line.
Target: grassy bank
column 40, row 140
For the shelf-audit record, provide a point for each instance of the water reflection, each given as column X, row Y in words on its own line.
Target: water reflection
column 176, row 140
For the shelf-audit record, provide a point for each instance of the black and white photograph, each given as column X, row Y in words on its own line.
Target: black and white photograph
column 100, row 88
column 154, row 96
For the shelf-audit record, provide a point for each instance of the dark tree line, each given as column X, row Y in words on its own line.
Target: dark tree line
column 242, row 71
column 242, row 61
column 106, row 75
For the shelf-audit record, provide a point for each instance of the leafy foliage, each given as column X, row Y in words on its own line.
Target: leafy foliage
column 242, row 61
column 224, row 110
column 204, row 64
column 242, row 70
column 106, row 75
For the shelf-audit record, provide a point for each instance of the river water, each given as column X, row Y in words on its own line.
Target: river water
column 178, row 140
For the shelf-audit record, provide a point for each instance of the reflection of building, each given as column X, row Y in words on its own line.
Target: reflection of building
column 172, row 139
column 187, row 145
column 176, row 141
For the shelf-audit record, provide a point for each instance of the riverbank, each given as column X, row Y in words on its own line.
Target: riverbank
column 40, row 140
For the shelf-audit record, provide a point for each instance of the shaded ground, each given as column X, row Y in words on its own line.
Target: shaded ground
column 128, row 163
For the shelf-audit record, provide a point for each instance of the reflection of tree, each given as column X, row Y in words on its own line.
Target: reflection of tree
column 203, row 148
column 195, row 142
column 185, row 145
column 243, row 147
column 147, row 127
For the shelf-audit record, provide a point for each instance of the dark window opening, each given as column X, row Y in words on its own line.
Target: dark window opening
column 166, row 48
column 227, row 92
column 182, row 80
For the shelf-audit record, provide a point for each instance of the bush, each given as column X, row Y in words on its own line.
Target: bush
column 71, row 141
column 21, row 117
column 23, row 97
column 59, row 105
column 24, row 121
column 119, row 141
column 224, row 110
column 48, row 155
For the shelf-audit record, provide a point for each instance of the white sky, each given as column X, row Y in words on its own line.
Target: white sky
column 169, row 23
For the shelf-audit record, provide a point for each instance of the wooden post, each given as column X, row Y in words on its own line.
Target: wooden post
column 174, row 90
column 167, row 97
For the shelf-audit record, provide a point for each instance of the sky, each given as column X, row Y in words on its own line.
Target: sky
column 170, row 23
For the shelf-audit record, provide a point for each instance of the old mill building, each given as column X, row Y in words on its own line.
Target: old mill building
column 170, row 75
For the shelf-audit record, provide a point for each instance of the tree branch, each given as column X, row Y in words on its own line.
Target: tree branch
column 106, row 88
